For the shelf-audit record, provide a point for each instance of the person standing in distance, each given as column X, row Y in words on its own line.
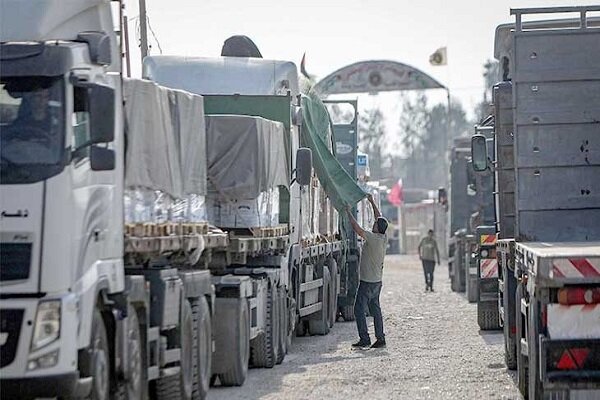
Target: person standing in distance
column 370, row 273
column 429, row 253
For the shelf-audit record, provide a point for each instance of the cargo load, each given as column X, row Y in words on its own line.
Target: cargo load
column 165, row 161
column 247, row 165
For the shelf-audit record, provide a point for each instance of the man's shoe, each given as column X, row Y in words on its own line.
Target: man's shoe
column 427, row 288
column 361, row 344
column 379, row 344
column 431, row 288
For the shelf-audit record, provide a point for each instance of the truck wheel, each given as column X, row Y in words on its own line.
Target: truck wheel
column 133, row 387
column 347, row 313
column 179, row 386
column 320, row 325
column 284, row 325
column 487, row 316
column 510, row 355
column 239, row 336
column 333, row 293
column 97, row 362
column 264, row 347
column 202, row 348
column 472, row 289
column 522, row 368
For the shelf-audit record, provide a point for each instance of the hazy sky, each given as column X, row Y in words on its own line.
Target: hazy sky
column 337, row 33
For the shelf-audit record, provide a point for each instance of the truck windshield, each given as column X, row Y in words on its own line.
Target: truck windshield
column 31, row 128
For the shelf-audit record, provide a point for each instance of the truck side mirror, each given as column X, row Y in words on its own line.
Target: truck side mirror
column 479, row 153
column 303, row 166
column 102, row 114
column 99, row 102
column 102, row 159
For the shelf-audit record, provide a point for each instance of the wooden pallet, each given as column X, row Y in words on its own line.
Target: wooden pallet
column 267, row 231
column 151, row 229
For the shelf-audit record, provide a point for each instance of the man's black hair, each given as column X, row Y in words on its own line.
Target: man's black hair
column 382, row 225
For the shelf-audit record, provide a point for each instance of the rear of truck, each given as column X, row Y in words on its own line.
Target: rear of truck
column 556, row 104
column 462, row 204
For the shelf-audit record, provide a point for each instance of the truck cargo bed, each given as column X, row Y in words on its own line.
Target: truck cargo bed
column 557, row 264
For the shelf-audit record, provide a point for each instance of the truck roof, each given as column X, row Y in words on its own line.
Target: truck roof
column 223, row 75
column 503, row 37
column 562, row 249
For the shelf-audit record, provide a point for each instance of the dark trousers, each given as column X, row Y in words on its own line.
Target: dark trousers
column 428, row 268
column 368, row 296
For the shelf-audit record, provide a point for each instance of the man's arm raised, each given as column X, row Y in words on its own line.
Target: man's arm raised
column 376, row 211
column 355, row 226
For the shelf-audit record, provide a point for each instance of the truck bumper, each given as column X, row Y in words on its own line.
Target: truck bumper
column 64, row 385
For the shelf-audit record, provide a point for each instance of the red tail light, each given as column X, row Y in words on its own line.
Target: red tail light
column 577, row 295
column 573, row 359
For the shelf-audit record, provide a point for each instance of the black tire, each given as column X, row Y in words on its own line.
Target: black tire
column 333, row 293
column 284, row 325
column 487, row 316
column 510, row 354
column 347, row 313
column 454, row 279
column 134, row 386
column 264, row 347
column 522, row 366
column 179, row 386
column 239, row 347
column 320, row 324
column 202, row 348
column 472, row 289
column 96, row 363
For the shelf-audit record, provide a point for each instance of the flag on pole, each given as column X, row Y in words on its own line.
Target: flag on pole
column 396, row 195
column 439, row 57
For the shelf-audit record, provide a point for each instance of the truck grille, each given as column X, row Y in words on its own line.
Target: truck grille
column 10, row 327
column 15, row 261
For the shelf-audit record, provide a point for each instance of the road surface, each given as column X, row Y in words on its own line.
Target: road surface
column 434, row 351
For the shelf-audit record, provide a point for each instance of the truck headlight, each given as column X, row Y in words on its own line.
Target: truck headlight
column 484, row 253
column 47, row 324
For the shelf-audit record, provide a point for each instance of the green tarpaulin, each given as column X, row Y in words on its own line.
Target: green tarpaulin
column 316, row 132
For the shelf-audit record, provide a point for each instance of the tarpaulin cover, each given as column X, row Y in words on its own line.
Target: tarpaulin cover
column 246, row 155
column 339, row 186
column 165, row 139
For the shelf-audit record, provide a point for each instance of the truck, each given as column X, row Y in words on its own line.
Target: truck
column 113, row 284
column 551, row 70
column 484, row 220
column 462, row 206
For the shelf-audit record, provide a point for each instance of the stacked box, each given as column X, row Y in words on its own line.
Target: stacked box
column 148, row 206
column 262, row 211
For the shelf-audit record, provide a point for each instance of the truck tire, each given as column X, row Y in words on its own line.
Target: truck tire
column 179, row 386
column 239, row 339
column 487, row 316
column 134, row 386
column 472, row 289
column 96, row 363
column 522, row 367
column 264, row 347
column 320, row 325
column 347, row 313
column 510, row 355
column 333, row 293
column 284, row 325
column 202, row 348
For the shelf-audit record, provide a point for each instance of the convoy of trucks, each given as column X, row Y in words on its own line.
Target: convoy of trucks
column 160, row 235
column 547, row 170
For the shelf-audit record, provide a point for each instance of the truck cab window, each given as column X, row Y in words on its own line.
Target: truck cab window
column 80, row 122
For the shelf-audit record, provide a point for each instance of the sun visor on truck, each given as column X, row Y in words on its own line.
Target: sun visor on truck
column 166, row 147
column 246, row 155
column 339, row 186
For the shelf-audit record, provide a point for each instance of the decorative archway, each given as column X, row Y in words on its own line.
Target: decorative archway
column 375, row 76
